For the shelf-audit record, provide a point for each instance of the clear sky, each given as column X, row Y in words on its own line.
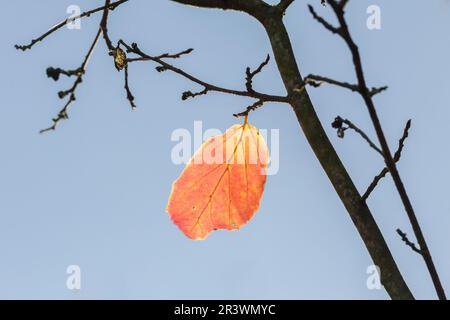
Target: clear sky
column 94, row 192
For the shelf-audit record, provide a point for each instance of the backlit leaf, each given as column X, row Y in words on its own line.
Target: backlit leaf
column 222, row 185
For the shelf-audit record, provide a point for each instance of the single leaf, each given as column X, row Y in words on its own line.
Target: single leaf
column 222, row 185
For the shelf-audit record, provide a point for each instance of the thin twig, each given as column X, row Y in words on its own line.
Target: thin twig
column 339, row 125
column 385, row 170
column 258, row 104
column 63, row 113
column 409, row 243
column 316, row 81
column 251, row 74
column 104, row 26
column 164, row 55
column 176, row 55
column 323, row 22
column 130, row 96
column 55, row 73
column 189, row 94
column 58, row 26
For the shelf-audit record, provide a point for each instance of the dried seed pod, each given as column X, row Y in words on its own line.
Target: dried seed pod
column 120, row 59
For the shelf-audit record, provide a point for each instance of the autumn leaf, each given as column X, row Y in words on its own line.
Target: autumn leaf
column 222, row 185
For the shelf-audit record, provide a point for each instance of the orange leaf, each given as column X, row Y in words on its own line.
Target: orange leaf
column 222, row 185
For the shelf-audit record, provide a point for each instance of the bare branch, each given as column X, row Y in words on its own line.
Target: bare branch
column 339, row 125
column 189, row 94
column 130, row 96
column 409, row 243
column 104, row 27
column 121, row 62
column 164, row 66
column 176, row 55
column 63, row 113
column 323, row 22
column 316, row 81
column 55, row 73
column 251, row 74
column 258, row 104
column 58, row 26
column 385, row 170
column 343, row 31
column 164, row 56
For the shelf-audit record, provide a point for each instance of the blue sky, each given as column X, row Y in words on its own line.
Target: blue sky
column 94, row 192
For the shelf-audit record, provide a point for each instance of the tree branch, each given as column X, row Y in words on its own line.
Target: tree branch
column 63, row 113
column 408, row 243
column 323, row 22
column 385, row 170
column 58, row 26
column 251, row 74
column 130, row 96
column 339, row 125
column 258, row 104
column 358, row 210
column 316, row 81
column 104, row 27
column 164, row 66
column 338, row 8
